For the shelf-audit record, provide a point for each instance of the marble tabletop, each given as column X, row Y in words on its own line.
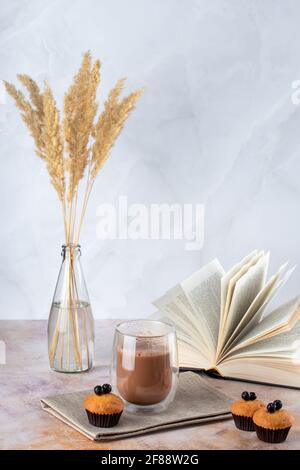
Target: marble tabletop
column 26, row 377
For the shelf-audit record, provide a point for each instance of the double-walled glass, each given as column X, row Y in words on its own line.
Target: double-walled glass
column 145, row 364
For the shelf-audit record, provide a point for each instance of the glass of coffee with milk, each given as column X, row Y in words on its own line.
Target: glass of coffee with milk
column 144, row 367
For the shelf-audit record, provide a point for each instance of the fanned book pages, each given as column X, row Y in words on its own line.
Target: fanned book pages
column 223, row 325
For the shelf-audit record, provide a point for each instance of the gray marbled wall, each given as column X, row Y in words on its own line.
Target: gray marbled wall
column 216, row 125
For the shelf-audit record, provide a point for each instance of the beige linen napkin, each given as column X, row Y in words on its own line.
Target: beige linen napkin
column 195, row 402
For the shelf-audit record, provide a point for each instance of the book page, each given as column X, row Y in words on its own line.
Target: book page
column 283, row 344
column 175, row 306
column 258, row 306
column 227, row 278
column 195, row 322
column 203, row 290
column 230, row 284
column 254, row 310
column 181, row 328
column 266, row 370
column 191, row 358
column 270, row 289
column 283, row 317
column 246, row 290
column 192, row 351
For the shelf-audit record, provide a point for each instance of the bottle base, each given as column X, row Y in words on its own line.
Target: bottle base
column 71, row 371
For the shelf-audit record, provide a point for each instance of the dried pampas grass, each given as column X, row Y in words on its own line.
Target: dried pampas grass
column 73, row 146
column 78, row 144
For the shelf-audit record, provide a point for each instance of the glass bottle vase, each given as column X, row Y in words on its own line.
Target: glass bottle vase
column 71, row 323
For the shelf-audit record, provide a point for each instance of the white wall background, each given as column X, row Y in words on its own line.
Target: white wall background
column 216, row 125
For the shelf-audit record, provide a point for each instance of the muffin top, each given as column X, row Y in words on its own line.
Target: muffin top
column 273, row 417
column 103, row 401
column 247, row 405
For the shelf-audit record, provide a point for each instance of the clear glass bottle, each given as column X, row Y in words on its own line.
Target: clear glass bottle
column 71, row 323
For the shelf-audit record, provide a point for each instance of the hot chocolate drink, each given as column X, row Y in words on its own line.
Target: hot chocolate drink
column 144, row 377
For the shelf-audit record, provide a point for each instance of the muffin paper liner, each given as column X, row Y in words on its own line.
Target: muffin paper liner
column 244, row 423
column 273, row 436
column 103, row 420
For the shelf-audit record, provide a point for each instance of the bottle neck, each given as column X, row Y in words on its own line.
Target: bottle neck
column 71, row 251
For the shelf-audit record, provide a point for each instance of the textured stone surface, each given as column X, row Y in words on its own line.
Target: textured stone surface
column 26, row 378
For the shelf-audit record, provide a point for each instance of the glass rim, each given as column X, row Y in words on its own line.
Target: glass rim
column 169, row 326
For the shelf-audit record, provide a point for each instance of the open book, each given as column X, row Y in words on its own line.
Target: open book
column 222, row 325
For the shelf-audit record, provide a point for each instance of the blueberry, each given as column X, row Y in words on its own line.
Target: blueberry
column 277, row 404
column 252, row 396
column 106, row 388
column 271, row 407
column 98, row 390
column 245, row 396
